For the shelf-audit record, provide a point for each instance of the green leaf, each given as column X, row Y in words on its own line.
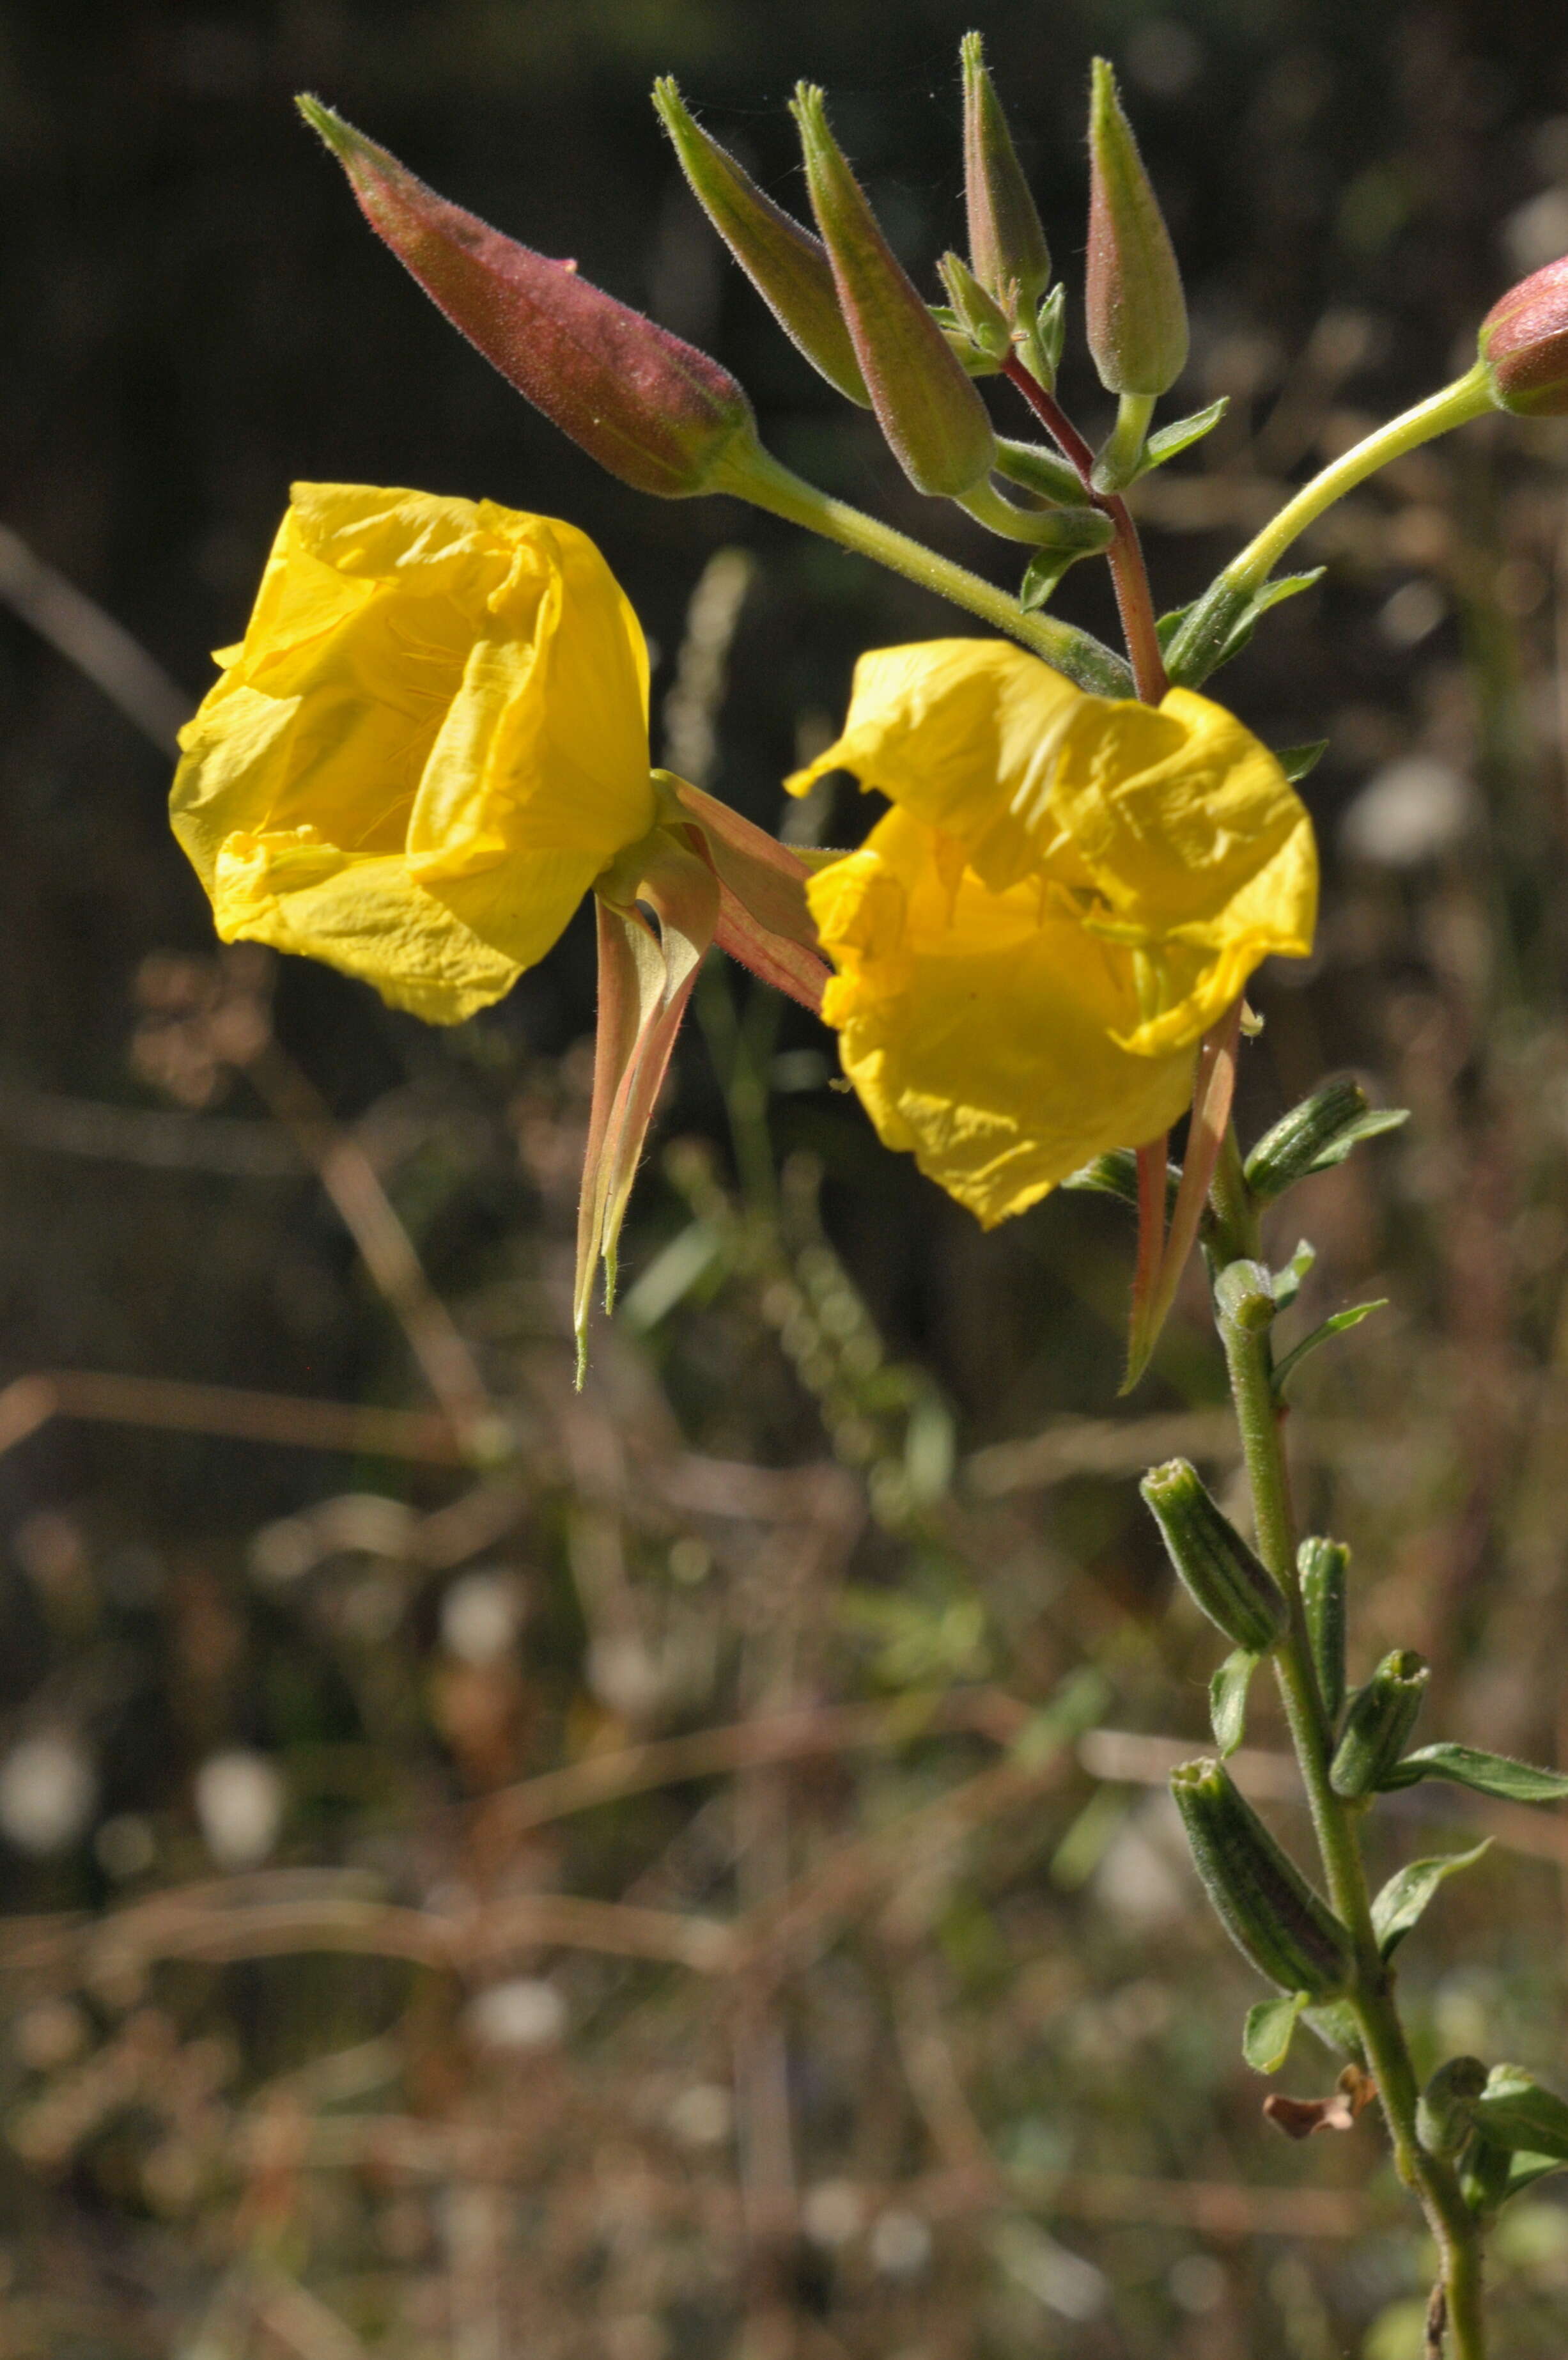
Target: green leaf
column 1405, row 1896
column 1166, row 628
column 1273, row 594
column 1338, row 1324
column 1334, row 2023
column 1370, row 1125
column 1265, row 2040
column 1227, row 1704
column 1484, row 1774
column 1115, row 1175
column 1046, row 568
column 1526, row 2169
column 1286, row 1283
column 1514, row 2112
column 1298, row 762
column 1180, row 434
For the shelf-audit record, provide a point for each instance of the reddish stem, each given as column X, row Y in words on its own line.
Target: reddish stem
column 1128, row 573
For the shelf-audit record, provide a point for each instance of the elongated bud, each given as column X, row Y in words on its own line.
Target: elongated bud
column 1266, row 1905
column 934, row 421
column 1319, row 1132
column 1524, row 344
column 978, row 313
column 1445, row 2115
column 1008, row 251
column 1323, row 1566
column 654, row 410
column 788, row 267
column 1135, row 315
column 1212, row 1562
column 1377, row 1723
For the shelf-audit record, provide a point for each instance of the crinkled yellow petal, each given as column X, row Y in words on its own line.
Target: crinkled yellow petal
column 1172, row 831
column 963, row 732
column 981, row 1030
column 451, row 697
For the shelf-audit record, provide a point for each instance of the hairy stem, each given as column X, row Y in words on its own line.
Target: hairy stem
column 1129, row 575
column 767, row 484
column 1258, row 1417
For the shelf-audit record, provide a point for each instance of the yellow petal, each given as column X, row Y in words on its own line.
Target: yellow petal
column 962, row 733
column 979, row 1031
column 450, row 698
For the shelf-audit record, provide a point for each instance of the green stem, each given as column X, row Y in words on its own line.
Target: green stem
column 1371, row 1999
column 1117, row 463
column 755, row 475
column 1468, row 397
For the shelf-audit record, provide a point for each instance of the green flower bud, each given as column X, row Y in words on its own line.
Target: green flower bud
column 1323, row 1566
column 1444, row 2118
column 1245, row 1297
column 1213, row 1563
column 981, row 319
column 1377, row 1724
column 651, row 409
column 1136, row 314
column 788, row 267
column 934, row 421
column 1008, row 251
column 1319, row 1132
column 1266, row 1905
column 1524, row 344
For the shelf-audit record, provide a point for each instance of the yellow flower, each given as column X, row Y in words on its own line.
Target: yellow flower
column 1067, row 893
column 432, row 741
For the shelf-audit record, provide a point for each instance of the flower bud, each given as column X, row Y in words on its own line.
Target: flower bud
column 1135, row 315
column 975, row 310
column 1377, row 1723
column 934, row 421
column 1322, row 1565
column 1213, row 1563
column 1266, row 1906
column 651, row 410
column 1319, row 1132
column 1445, row 2115
column 1245, row 1297
column 1008, row 251
column 788, row 267
column 1524, row 344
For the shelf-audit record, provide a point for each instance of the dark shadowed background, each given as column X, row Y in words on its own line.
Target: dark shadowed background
column 369, row 1985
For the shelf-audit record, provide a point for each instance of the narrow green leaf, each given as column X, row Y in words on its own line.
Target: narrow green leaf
column 1298, row 762
column 1288, row 1282
column 1273, row 594
column 1227, row 1704
column 1180, row 434
column 1115, row 1175
column 1370, row 1125
column 1168, row 626
column 1484, row 1774
column 1405, row 1896
column 1514, row 2112
column 1526, row 2169
column 1270, row 2026
column 1046, row 568
column 1338, row 1324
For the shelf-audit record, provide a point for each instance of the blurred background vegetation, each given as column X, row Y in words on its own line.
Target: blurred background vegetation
column 685, row 1870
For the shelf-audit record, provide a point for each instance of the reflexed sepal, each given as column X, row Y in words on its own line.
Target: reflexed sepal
column 934, row 419
column 1378, row 1721
column 648, row 407
column 1271, row 1913
column 763, row 919
column 1446, row 2116
column 1134, row 312
column 788, row 267
column 1323, row 1566
column 1318, row 1133
column 1214, row 1565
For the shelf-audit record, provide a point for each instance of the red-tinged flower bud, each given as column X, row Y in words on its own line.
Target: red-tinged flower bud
column 1008, row 251
column 788, row 267
column 1524, row 344
column 1134, row 312
column 935, row 423
column 651, row 410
